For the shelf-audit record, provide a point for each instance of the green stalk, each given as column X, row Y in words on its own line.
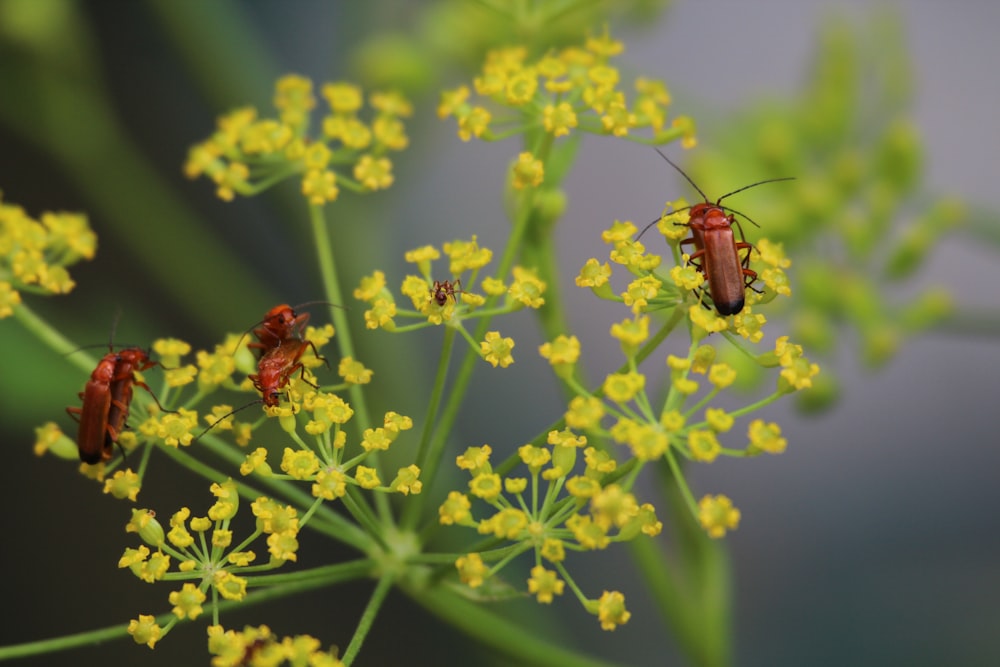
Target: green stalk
column 345, row 344
column 367, row 619
column 499, row 633
column 51, row 337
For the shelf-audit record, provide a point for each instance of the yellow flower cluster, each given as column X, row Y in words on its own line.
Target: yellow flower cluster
column 453, row 301
column 260, row 646
column 248, row 153
column 34, row 253
column 553, row 509
column 574, row 88
column 206, row 553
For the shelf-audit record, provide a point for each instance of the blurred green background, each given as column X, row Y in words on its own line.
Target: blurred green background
column 872, row 541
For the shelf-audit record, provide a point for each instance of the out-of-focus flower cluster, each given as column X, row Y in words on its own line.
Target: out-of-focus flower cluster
column 566, row 90
column 34, row 254
column 249, row 153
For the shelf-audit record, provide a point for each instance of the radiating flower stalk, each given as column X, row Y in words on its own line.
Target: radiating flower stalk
column 573, row 488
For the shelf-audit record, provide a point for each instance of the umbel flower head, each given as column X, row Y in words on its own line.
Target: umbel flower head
column 34, row 253
column 566, row 90
column 249, row 152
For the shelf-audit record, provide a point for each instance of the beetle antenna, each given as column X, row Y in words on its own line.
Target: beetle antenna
column 752, row 185
column 644, row 229
column 226, row 416
column 681, row 172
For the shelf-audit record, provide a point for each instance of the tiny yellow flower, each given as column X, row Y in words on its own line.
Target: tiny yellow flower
column 455, row 509
column 717, row 515
column 451, row 100
column 330, row 484
column 367, row 477
column 353, row 371
column 123, row 484
column 521, row 87
column 471, row 570
column 486, row 486
column 527, row 288
column 497, row 350
column 474, row 122
column 508, row 523
column 559, row 119
column 534, row 457
column 342, row 97
column 474, row 458
column 707, row 320
column 320, row 186
column 719, row 420
column 283, row 546
column 466, row 256
column 611, row 610
column 588, row 534
column 648, row 443
column 544, row 584
column 583, row 487
column 749, row 325
column 553, row 550
column 623, row 387
column 766, row 437
column 721, row 375
column 584, row 412
column 598, row 462
column 187, row 601
column 144, row 630
column 632, row 333
column 300, row 464
column 376, row 439
column 407, row 481
column 374, row 173
column 528, row 172
column 593, row 274
column 230, row 586
column 704, row 445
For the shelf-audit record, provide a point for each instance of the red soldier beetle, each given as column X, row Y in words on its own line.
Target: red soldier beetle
column 717, row 252
column 280, row 324
column 106, row 400
column 281, row 344
column 276, row 367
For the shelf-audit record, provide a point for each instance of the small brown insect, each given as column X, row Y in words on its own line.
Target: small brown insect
column 443, row 289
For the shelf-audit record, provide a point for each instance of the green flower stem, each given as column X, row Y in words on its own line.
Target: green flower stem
column 327, row 521
column 336, row 574
column 51, row 337
column 498, row 632
column 753, row 407
column 345, row 344
column 464, row 375
column 367, row 619
column 412, row 510
column 694, row 594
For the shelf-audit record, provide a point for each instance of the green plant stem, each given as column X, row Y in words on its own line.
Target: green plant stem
column 345, row 343
column 367, row 619
column 693, row 593
column 412, row 510
column 498, row 632
column 51, row 337
column 337, row 574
